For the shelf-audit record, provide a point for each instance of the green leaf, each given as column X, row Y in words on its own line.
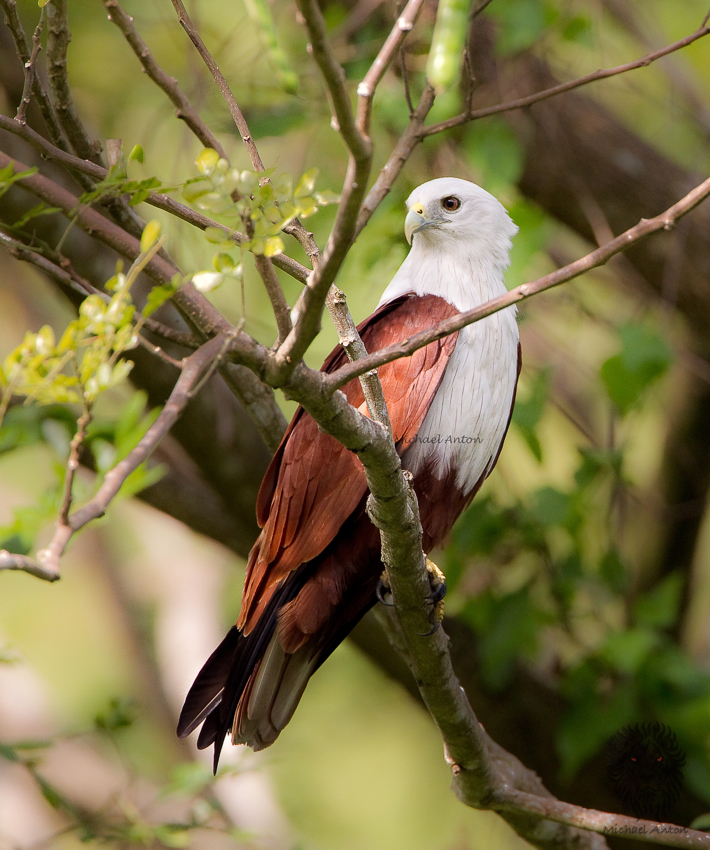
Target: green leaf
column 495, row 152
column 172, row 835
column 273, row 246
column 158, row 295
column 188, row 779
column 136, row 154
column 207, row 160
column 659, row 607
column 307, row 183
column 8, row 753
column 528, row 412
column 508, row 626
column 520, row 24
column 119, row 714
column 626, row 651
column 150, row 235
column 550, row 507
column 644, row 357
column 613, row 572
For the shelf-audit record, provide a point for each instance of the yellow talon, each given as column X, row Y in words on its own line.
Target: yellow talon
column 437, row 581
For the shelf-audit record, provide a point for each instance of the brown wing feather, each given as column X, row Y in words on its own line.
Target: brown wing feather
column 313, row 483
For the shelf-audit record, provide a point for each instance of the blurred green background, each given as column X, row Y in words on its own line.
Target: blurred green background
column 565, row 572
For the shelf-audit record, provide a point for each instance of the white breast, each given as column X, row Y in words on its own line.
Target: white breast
column 466, row 422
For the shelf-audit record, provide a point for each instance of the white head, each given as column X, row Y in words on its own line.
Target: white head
column 461, row 241
column 450, row 214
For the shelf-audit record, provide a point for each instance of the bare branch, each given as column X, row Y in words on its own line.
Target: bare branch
column 343, row 233
column 184, row 109
column 665, row 221
column 366, row 89
column 30, row 71
column 73, row 465
column 222, row 84
column 58, row 39
column 510, row 800
column 355, row 349
column 276, row 295
column 43, row 100
column 10, row 561
column 564, row 87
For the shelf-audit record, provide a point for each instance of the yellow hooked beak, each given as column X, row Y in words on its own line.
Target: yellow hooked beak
column 416, row 221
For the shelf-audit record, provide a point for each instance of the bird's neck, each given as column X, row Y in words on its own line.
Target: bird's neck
column 464, row 279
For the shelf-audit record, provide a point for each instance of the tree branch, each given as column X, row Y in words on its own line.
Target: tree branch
column 58, row 39
column 529, row 100
column 184, row 109
column 343, row 233
column 366, row 89
column 222, row 84
column 187, row 384
column 45, row 104
column 30, row 72
column 401, row 153
column 510, row 800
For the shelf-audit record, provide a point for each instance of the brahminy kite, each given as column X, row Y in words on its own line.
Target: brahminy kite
column 314, row 570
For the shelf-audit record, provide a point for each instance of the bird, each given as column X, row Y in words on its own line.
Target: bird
column 314, row 570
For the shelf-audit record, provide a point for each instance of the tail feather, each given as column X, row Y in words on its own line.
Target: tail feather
column 208, row 688
column 273, row 693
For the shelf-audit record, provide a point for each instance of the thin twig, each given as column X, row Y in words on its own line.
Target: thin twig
column 366, row 89
column 193, row 368
column 73, row 464
column 43, row 101
column 30, row 72
column 185, row 110
column 652, row 832
column 401, row 153
column 222, row 84
column 665, row 221
column 11, row 561
column 276, row 295
column 58, row 38
column 342, row 235
column 65, row 274
column 529, row 100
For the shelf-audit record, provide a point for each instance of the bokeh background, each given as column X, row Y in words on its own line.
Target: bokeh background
column 579, row 588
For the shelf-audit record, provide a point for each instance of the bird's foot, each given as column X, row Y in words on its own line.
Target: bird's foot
column 383, row 592
column 437, row 581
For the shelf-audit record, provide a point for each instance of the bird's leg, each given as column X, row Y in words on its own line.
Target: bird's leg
column 437, row 582
column 382, row 591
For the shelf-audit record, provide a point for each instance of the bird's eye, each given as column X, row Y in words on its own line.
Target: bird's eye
column 451, row 203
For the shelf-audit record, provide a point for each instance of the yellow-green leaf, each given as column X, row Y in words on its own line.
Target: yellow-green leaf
column 151, row 233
